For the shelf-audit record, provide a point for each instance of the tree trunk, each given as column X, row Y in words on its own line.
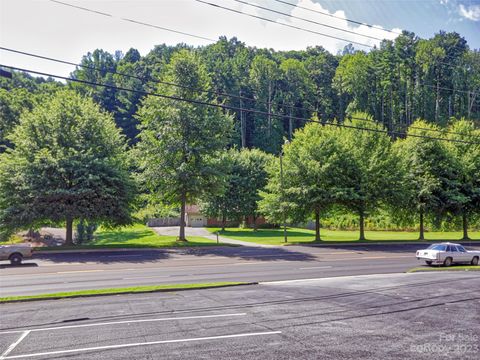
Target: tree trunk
column 69, row 233
column 437, row 100
column 269, row 131
column 422, row 229
column 290, row 126
column 255, row 228
column 465, row 225
column 317, row 225
column 183, row 200
column 224, row 220
column 362, row 225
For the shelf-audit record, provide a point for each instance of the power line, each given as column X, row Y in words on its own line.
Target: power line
column 306, row 20
column 228, row 107
column 199, row 90
column 286, row 25
column 338, row 17
column 134, row 21
column 298, row 27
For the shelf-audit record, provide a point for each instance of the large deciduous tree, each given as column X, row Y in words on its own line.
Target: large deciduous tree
column 180, row 141
column 465, row 149
column 431, row 175
column 316, row 173
column 246, row 176
column 68, row 162
column 375, row 178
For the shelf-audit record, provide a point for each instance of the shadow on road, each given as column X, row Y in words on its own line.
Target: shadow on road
column 147, row 256
column 10, row 266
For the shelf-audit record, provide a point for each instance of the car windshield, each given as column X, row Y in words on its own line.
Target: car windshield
column 437, row 247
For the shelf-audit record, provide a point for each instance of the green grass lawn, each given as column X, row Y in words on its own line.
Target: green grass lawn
column 450, row 268
column 296, row 235
column 139, row 235
column 126, row 290
column 134, row 236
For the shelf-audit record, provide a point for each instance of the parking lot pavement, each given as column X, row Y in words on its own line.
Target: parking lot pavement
column 396, row 316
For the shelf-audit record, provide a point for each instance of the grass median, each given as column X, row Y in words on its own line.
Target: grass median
column 449, row 268
column 305, row 236
column 116, row 291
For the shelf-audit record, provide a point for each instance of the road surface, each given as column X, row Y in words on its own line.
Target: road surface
column 48, row 273
column 396, row 316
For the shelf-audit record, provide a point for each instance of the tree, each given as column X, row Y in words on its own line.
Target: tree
column 467, row 155
column 431, row 174
column 375, row 178
column 315, row 172
column 180, row 141
column 245, row 177
column 264, row 76
column 68, row 162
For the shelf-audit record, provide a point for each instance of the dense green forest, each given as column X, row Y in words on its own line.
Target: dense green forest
column 398, row 150
column 397, row 83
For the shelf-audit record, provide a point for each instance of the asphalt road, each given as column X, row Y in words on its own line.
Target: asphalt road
column 394, row 316
column 47, row 273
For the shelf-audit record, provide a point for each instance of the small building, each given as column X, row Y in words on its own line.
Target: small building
column 193, row 216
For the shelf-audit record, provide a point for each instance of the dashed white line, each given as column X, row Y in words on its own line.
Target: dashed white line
column 315, row 267
column 143, row 344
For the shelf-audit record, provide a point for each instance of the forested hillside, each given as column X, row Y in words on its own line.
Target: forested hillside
column 272, row 93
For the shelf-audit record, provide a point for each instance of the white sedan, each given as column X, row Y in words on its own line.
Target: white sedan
column 447, row 254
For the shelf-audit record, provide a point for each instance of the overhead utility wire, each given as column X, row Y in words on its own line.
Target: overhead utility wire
column 197, row 89
column 228, row 107
column 306, row 20
column 349, row 20
column 135, row 21
column 338, row 17
column 301, row 28
column 287, row 25
column 188, row 34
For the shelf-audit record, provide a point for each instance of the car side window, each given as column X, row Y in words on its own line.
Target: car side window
column 461, row 249
column 453, row 248
column 448, row 249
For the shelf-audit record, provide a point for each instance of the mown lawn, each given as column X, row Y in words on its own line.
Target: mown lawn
column 296, row 235
column 139, row 235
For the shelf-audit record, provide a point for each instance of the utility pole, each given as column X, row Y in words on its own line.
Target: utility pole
column 243, row 129
column 283, row 195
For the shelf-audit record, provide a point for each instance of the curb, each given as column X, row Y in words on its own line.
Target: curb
column 125, row 293
column 464, row 243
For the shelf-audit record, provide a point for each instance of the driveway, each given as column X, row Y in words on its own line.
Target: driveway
column 202, row 232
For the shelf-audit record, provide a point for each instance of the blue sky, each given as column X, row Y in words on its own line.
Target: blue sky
column 48, row 28
column 424, row 17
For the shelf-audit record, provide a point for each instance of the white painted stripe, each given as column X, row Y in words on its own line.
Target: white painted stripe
column 315, row 267
column 14, row 345
column 146, row 277
column 126, row 322
column 78, row 271
column 143, row 344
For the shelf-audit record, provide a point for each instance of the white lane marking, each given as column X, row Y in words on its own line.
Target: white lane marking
column 14, row 345
column 315, row 267
column 146, row 277
column 143, row 344
column 79, row 271
column 126, row 322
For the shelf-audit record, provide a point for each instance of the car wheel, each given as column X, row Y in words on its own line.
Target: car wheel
column 448, row 261
column 429, row 263
column 474, row 261
column 16, row 259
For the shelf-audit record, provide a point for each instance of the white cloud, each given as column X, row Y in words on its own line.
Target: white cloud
column 50, row 29
column 471, row 12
